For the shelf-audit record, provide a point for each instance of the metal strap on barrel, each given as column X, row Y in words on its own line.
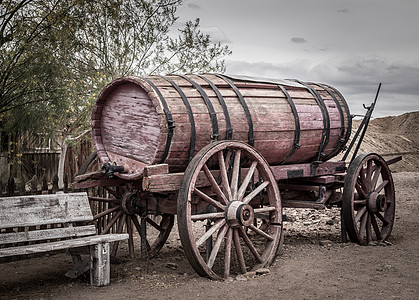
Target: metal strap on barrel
column 245, row 108
column 208, row 103
column 297, row 124
column 229, row 129
column 341, row 140
column 190, row 115
column 349, row 117
column 169, row 120
column 326, row 121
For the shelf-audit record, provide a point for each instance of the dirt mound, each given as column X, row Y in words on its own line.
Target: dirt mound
column 392, row 136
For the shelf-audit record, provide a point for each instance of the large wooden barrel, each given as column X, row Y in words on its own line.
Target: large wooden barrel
column 144, row 121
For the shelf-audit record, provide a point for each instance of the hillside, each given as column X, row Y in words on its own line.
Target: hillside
column 391, row 136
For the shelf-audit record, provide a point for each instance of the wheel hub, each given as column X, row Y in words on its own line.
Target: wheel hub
column 376, row 202
column 239, row 214
column 129, row 203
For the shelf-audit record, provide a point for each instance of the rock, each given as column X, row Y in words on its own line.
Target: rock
column 250, row 274
column 329, row 221
column 263, row 271
column 172, row 266
column 326, row 243
column 307, row 223
column 241, row 277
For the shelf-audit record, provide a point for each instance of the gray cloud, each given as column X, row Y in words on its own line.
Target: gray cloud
column 298, row 40
column 343, row 11
column 193, row 5
column 217, row 35
column 357, row 78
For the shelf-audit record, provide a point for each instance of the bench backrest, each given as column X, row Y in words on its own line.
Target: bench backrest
column 44, row 217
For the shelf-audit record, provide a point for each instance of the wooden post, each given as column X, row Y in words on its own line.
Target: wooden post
column 34, row 185
column 44, row 185
column 10, row 189
column 55, row 184
column 100, row 267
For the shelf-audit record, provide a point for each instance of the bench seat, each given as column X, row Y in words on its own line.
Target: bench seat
column 45, row 223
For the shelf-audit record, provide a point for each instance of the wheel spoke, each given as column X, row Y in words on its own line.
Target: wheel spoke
column 227, row 252
column 217, row 215
column 360, row 213
column 208, row 199
column 106, row 212
column 376, row 228
column 112, row 192
column 360, row 191
column 224, row 177
column 385, row 222
column 250, row 245
column 239, row 251
column 235, row 174
column 119, row 230
column 217, row 245
column 368, row 228
column 381, row 186
column 261, row 232
column 100, row 199
column 207, row 234
column 360, row 202
column 154, row 224
column 214, row 185
column 375, row 178
column 112, row 222
column 368, row 175
column 363, row 225
column 247, row 179
column 148, row 247
column 256, row 191
column 362, row 176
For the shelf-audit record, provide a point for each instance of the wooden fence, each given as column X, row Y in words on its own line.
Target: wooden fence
column 38, row 174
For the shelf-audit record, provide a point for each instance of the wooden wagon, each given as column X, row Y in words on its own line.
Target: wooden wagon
column 226, row 154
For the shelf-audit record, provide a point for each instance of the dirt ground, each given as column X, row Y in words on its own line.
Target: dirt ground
column 312, row 264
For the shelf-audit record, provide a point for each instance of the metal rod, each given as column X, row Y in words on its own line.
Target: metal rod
column 363, row 127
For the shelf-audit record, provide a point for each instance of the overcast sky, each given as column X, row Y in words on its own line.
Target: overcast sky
column 352, row 45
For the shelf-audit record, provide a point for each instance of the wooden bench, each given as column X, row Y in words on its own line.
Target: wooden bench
column 42, row 223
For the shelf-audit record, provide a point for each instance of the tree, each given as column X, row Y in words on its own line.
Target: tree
column 56, row 55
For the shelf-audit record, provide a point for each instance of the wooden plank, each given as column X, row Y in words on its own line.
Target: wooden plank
column 47, row 234
column 60, row 245
column 34, row 210
column 171, row 182
column 302, row 204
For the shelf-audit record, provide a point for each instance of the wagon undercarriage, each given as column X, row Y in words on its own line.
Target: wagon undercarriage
column 229, row 201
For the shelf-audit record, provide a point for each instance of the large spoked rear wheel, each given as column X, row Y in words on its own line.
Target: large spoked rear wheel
column 112, row 208
column 368, row 200
column 229, row 199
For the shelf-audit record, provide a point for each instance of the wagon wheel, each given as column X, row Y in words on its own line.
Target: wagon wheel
column 113, row 211
column 368, row 199
column 239, row 209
